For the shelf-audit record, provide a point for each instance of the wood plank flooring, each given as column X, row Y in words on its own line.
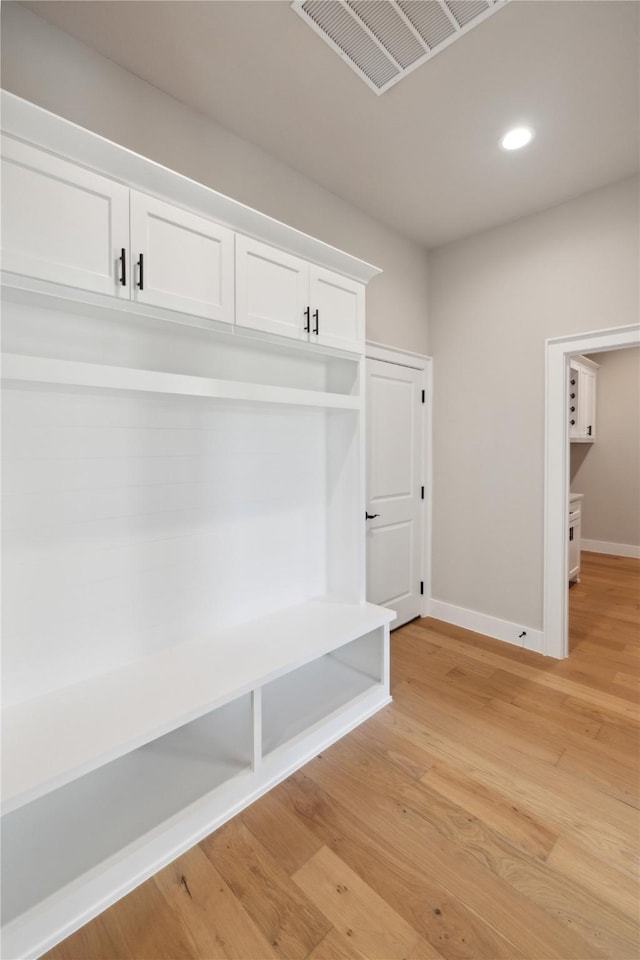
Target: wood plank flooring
column 490, row 812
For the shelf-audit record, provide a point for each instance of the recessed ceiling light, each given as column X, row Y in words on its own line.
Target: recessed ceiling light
column 516, row 138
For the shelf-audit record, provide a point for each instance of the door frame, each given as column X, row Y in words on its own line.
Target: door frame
column 558, row 352
column 417, row 361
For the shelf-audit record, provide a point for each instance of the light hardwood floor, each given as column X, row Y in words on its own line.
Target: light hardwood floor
column 490, row 812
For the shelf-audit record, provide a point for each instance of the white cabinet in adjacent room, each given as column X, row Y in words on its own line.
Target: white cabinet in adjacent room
column 582, row 400
column 62, row 222
column 587, row 411
column 279, row 293
column 180, row 260
column 575, row 519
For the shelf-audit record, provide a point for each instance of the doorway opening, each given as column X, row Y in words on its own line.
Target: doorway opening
column 604, row 509
column 557, row 473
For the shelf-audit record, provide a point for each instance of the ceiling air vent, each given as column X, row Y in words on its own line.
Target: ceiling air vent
column 384, row 40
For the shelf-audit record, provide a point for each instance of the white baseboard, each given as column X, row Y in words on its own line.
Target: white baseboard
column 491, row 626
column 614, row 549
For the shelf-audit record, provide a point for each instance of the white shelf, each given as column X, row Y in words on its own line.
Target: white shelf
column 63, row 735
column 294, row 703
column 22, row 368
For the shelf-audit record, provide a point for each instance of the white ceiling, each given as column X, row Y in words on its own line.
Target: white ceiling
column 422, row 157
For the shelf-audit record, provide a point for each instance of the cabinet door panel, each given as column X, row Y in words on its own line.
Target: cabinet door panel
column 187, row 260
column 587, row 404
column 61, row 222
column 340, row 305
column 271, row 289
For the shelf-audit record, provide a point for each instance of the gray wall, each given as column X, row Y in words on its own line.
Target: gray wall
column 607, row 472
column 50, row 68
column 494, row 299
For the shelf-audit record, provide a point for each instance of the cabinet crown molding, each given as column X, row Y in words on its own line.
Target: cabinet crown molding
column 33, row 124
column 585, row 362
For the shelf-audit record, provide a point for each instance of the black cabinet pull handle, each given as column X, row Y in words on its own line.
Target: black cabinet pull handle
column 307, row 326
column 573, row 383
column 123, row 267
column 140, row 266
column 573, row 396
column 572, row 422
column 370, row 516
column 316, row 317
column 589, row 430
column 573, row 409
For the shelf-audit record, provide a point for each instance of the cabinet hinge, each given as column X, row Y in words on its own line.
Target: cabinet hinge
column 422, row 588
column 423, row 396
column 422, row 493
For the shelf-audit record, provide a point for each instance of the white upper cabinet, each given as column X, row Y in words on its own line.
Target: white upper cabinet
column 180, row 260
column 337, row 310
column 271, row 289
column 279, row 293
column 582, row 400
column 62, row 222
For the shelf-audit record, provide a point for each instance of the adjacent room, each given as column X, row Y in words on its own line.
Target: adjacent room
column 320, row 479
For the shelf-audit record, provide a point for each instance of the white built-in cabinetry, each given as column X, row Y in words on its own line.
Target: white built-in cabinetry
column 184, row 620
column 582, row 399
column 72, row 226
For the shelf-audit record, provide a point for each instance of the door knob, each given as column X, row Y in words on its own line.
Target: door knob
column 370, row 516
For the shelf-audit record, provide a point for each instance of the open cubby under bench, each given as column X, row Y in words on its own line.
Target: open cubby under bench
column 120, row 774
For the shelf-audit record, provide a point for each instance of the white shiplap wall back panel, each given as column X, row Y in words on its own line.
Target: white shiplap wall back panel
column 135, row 522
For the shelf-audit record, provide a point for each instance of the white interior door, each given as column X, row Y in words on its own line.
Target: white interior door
column 394, row 487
